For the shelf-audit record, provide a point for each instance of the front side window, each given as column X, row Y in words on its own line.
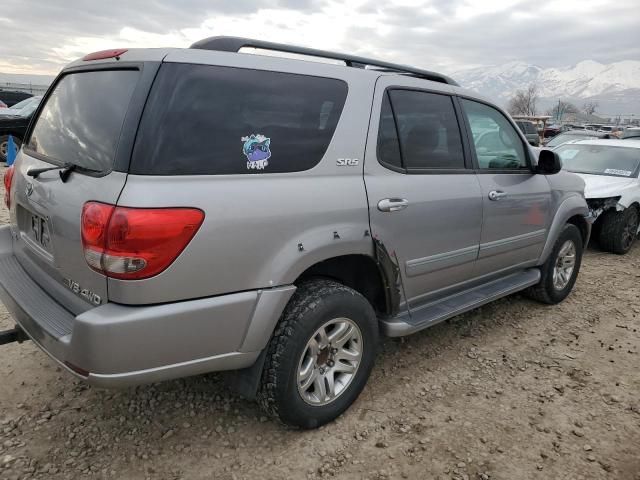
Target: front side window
column 497, row 144
column 426, row 134
column 210, row 120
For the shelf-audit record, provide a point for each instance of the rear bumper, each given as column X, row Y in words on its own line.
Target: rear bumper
column 117, row 345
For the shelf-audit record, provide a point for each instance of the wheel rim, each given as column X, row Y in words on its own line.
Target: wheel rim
column 329, row 361
column 630, row 230
column 4, row 149
column 565, row 264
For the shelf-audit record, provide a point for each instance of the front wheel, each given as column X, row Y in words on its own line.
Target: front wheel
column 320, row 356
column 561, row 269
column 618, row 230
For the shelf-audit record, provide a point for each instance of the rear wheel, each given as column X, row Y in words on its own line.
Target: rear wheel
column 4, row 146
column 320, row 356
column 561, row 269
column 618, row 230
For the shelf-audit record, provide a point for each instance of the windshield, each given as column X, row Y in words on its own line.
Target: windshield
column 600, row 159
column 565, row 137
column 82, row 118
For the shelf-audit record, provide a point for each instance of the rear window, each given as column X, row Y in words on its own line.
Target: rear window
column 207, row 120
column 83, row 117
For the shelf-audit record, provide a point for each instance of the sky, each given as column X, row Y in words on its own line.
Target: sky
column 41, row 36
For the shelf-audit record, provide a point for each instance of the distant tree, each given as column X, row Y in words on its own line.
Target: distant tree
column 561, row 109
column 590, row 107
column 524, row 101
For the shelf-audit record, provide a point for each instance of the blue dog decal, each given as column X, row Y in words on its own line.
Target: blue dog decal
column 256, row 149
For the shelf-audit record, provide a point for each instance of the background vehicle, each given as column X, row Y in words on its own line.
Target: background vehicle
column 631, row 132
column 530, row 132
column 173, row 206
column 613, row 130
column 10, row 97
column 575, row 135
column 551, row 131
column 14, row 121
column 610, row 171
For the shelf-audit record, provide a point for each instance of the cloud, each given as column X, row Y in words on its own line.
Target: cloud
column 447, row 35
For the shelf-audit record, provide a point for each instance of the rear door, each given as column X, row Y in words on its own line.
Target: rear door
column 425, row 204
column 516, row 201
column 88, row 120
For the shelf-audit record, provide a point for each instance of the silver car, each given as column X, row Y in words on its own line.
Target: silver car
column 181, row 211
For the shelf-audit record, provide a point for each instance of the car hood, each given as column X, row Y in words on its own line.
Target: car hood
column 604, row 186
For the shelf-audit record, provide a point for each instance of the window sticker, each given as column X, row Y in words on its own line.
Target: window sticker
column 257, row 150
column 568, row 154
column 614, row 171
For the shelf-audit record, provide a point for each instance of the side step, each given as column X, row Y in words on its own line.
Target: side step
column 14, row 335
column 440, row 310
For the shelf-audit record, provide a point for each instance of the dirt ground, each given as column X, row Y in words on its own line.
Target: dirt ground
column 515, row 390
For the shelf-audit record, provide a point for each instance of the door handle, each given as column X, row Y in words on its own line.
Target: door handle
column 496, row 195
column 392, row 204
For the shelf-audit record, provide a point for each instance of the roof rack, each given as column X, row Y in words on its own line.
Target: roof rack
column 235, row 44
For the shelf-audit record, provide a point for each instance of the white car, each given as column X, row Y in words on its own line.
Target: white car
column 609, row 169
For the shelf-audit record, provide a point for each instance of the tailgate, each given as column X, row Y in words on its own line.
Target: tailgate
column 88, row 120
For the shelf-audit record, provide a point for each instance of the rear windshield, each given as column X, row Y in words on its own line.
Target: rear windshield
column 206, row 120
column 83, row 117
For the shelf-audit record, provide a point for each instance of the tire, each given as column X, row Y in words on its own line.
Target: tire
column 618, row 230
column 313, row 307
column 4, row 140
column 547, row 290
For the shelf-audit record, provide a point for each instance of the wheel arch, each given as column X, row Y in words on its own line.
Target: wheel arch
column 572, row 210
column 363, row 273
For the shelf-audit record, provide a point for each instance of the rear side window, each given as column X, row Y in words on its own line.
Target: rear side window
column 83, row 117
column 207, row 120
column 426, row 133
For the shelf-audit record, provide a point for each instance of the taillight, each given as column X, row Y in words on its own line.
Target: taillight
column 8, row 179
column 135, row 243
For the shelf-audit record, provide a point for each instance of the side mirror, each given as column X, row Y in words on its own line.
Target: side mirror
column 548, row 163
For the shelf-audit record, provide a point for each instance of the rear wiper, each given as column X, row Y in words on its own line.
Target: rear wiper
column 65, row 170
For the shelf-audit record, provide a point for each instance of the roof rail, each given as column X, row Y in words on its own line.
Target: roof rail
column 235, row 44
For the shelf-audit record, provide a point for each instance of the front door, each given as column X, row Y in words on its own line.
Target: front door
column 425, row 203
column 516, row 201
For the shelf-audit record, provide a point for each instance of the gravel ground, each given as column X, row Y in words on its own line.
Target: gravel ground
column 515, row 390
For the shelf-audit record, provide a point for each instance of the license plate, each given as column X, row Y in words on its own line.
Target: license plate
column 39, row 232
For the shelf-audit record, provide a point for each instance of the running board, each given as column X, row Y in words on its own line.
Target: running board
column 438, row 311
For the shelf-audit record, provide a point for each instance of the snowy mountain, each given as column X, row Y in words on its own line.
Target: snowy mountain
column 586, row 81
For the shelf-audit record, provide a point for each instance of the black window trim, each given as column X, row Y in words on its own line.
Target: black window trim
column 130, row 124
column 528, row 170
column 466, row 152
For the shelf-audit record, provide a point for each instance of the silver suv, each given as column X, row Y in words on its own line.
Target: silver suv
column 181, row 211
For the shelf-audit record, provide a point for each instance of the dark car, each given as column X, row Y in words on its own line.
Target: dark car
column 10, row 97
column 14, row 121
column 551, row 131
column 530, row 131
